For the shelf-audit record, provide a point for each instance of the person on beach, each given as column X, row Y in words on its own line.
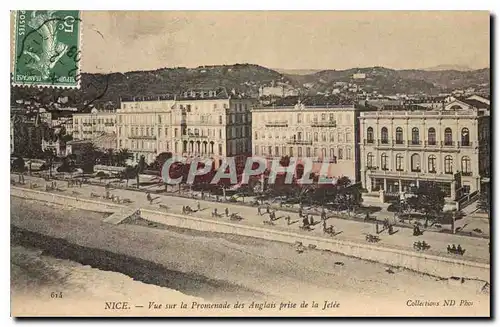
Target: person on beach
column 149, row 198
column 311, row 220
column 268, row 209
column 258, row 211
column 323, row 214
column 198, row 205
column 300, row 212
column 227, row 212
column 287, row 219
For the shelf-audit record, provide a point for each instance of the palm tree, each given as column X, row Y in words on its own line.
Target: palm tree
column 140, row 168
column 49, row 157
column 110, row 156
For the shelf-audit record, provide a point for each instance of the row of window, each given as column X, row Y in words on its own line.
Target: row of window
column 95, row 121
column 308, row 118
column 415, row 136
column 309, row 152
column 415, row 164
column 308, row 136
column 191, row 147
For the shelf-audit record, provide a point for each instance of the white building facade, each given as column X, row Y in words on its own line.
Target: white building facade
column 87, row 126
column 401, row 149
column 209, row 124
column 323, row 133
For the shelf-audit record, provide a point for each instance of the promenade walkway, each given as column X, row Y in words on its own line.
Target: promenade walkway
column 355, row 231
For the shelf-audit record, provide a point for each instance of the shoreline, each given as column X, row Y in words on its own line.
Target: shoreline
column 216, row 265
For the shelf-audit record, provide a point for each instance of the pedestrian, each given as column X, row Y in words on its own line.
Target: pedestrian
column 300, row 212
column 258, row 211
column 227, row 212
column 287, row 218
column 198, row 205
column 376, row 227
column 311, row 220
column 367, row 217
column 268, row 209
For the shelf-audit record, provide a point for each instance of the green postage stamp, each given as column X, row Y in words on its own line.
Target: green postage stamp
column 47, row 48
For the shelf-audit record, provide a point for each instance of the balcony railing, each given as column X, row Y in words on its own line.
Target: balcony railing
column 414, row 143
column 277, row 123
column 431, row 143
column 324, row 124
column 448, row 143
column 466, row 173
column 142, row 137
column 299, row 142
column 194, row 136
column 465, row 144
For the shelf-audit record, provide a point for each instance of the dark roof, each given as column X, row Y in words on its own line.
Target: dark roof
column 476, row 103
column 315, row 100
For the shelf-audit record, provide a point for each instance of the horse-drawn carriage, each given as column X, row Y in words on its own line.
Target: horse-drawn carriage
column 455, row 249
column 235, row 216
column 372, row 238
column 421, row 246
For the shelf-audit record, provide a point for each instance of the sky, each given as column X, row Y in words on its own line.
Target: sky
column 120, row 41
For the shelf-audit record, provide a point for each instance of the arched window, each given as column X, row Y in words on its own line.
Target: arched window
column 466, row 166
column 415, row 137
column 332, row 137
column 431, row 164
column 448, row 165
column 315, row 137
column 415, row 162
column 332, row 153
column 323, row 152
column 369, row 135
column 465, row 137
column 448, row 136
column 399, row 135
column 431, row 136
column 323, row 137
column 341, row 153
column 369, row 160
column 348, row 153
column 399, row 162
column 308, row 152
column 384, row 135
column 383, row 162
column 256, row 136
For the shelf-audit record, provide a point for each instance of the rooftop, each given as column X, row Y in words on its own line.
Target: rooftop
column 193, row 94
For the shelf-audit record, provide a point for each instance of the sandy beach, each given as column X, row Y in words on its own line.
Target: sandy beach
column 160, row 262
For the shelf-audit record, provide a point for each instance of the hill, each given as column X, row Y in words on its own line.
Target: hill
column 105, row 90
column 108, row 88
column 390, row 81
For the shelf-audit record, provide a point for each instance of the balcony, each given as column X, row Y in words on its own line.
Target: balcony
column 142, row 137
column 277, row 123
column 194, row 136
column 324, row 124
column 383, row 142
column 109, row 124
column 431, row 143
column 448, row 143
column 465, row 144
column 466, row 173
column 414, row 143
column 299, row 142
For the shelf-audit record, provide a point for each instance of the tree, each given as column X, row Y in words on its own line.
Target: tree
column 483, row 203
column 428, row 199
column 110, row 157
column 140, row 168
column 67, row 166
column 285, row 161
column 160, row 161
column 129, row 173
column 122, row 156
column 90, row 154
column 49, row 157
column 18, row 165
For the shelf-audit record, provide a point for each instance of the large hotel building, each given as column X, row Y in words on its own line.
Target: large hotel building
column 325, row 133
column 198, row 123
column 402, row 149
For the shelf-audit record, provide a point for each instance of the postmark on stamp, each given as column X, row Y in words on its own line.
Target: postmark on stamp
column 47, row 48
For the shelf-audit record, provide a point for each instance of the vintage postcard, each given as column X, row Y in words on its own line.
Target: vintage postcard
column 250, row 163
